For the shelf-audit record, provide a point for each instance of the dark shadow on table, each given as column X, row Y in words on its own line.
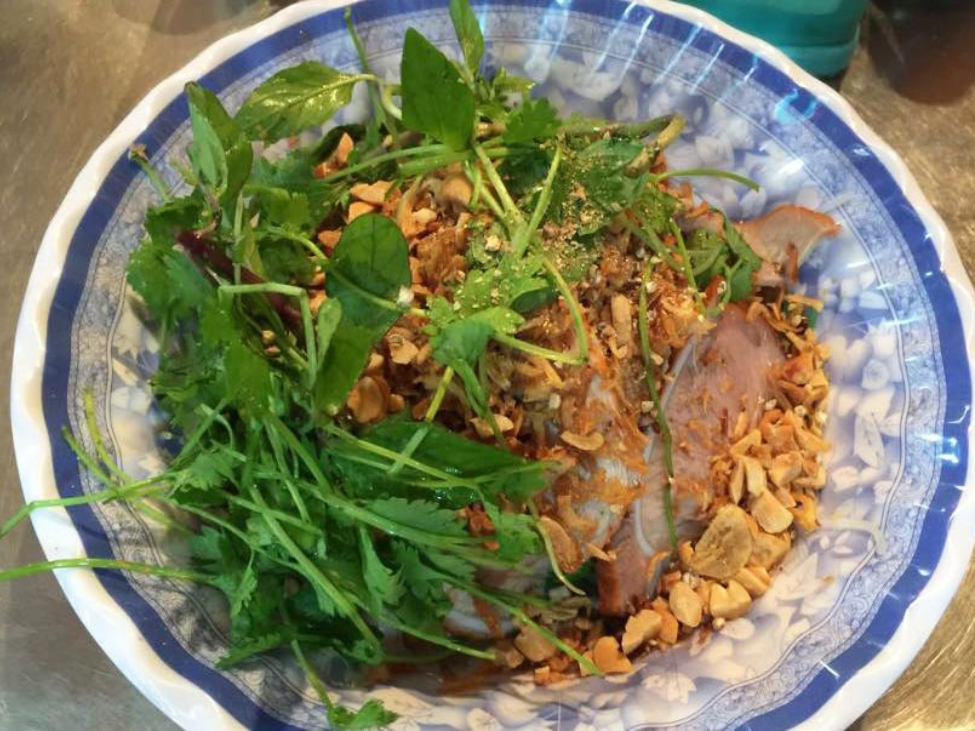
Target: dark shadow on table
column 925, row 49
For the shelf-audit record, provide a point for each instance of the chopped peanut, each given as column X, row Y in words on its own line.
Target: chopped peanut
column 608, row 657
column 641, row 628
column 770, row 513
column 686, row 604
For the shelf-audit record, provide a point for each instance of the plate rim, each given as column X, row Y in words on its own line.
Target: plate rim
column 116, row 632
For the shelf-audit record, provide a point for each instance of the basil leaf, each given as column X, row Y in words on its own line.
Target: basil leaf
column 436, row 100
column 468, row 33
column 370, row 263
column 295, row 99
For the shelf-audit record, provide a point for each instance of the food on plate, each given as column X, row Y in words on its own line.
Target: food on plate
column 469, row 378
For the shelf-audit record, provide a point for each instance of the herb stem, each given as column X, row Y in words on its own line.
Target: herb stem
column 514, row 213
column 582, row 339
column 438, row 396
column 440, row 640
column 553, row 355
column 686, row 268
column 360, row 50
column 386, row 157
column 649, row 237
column 643, row 327
column 550, row 550
column 105, row 563
column 708, row 172
column 524, row 234
column 137, row 154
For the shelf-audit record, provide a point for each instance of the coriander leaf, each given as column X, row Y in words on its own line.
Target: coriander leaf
column 246, row 586
column 295, row 99
column 209, row 468
column 423, row 582
column 370, row 266
column 420, row 514
column 167, row 281
column 165, row 221
column 282, row 207
column 248, row 379
column 240, row 651
column 372, row 714
column 463, row 340
column 220, row 153
column 515, row 533
column 436, row 100
column 534, row 119
column 468, row 33
column 452, row 564
column 466, row 339
column 592, row 185
column 385, row 586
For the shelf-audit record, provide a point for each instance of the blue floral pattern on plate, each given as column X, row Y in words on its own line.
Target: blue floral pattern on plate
column 898, row 404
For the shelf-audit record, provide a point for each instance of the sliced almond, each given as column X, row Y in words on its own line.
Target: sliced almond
column 622, row 312
column 329, row 239
column 401, row 350
column 805, row 513
column 586, row 442
column 456, row 191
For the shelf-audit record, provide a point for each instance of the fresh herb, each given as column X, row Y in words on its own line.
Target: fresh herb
column 436, row 100
column 296, row 99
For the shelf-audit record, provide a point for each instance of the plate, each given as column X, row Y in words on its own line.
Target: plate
column 853, row 603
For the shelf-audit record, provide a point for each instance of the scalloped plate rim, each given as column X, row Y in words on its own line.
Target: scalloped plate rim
column 115, row 631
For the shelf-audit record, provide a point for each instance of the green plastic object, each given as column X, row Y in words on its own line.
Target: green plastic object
column 819, row 35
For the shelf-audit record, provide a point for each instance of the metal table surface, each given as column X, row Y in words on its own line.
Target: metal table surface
column 71, row 69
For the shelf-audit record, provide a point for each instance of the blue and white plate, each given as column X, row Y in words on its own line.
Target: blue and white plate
column 853, row 603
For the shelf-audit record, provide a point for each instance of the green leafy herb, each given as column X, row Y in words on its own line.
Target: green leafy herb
column 436, row 101
column 468, row 33
column 295, row 99
column 369, row 268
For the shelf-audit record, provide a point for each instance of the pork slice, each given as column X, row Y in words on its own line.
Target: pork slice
column 723, row 373
column 783, row 238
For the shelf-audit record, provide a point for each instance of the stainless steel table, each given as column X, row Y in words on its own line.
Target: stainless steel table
column 71, row 69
